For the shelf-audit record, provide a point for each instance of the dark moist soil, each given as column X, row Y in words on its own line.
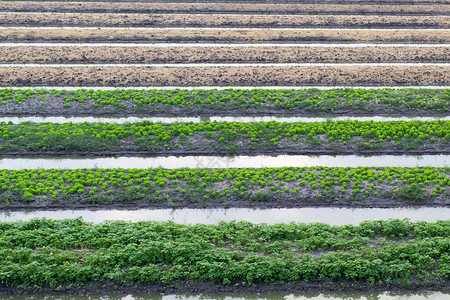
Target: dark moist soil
column 305, row 203
column 37, row 154
column 54, row 106
column 26, row 110
column 211, row 287
column 214, row 113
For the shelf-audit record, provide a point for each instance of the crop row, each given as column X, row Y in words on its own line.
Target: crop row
column 287, row 186
column 224, row 102
column 195, row 7
column 226, row 137
column 224, row 35
column 226, row 75
column 45, row 253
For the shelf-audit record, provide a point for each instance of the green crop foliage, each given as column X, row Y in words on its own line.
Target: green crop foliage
column 183, row 187
column 63, row 253
column 254, row 101
column 227, row 137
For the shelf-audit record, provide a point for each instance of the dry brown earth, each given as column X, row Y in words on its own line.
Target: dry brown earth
column 88, row 54
column 222, row 20
column 270, row 8
column 226, row 76
column 224, row 35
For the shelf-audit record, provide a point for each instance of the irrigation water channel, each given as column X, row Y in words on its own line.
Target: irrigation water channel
column 398, row 295
column 167, row 120
column 257, row 161
column 327, row 215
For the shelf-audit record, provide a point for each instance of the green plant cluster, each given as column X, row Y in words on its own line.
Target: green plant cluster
column 59, row 253
column 246, row 101
column 225, row 137
column 219, row 186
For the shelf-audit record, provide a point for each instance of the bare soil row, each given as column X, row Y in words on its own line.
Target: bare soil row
column 266, row 8
column 204, row 20
column 224, row 35
column 225, row 76
column 269, row 54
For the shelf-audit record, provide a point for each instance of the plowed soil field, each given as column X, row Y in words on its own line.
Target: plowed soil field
column 269, row 54
column 224, row 35
column 259, row 8
column 218, row 76
column 223, row 20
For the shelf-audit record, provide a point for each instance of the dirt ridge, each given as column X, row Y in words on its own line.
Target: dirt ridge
column 268, row 8
column 279, row 54
column 226, row 76
column 204, row 20
column 224, row 35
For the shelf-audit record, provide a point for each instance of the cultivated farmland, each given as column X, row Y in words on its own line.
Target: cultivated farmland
column 335, row 83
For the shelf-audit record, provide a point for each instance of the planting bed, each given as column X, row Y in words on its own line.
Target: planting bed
column 231, row 187
column 71, row 255
column 263, row 54
column 298, row 8
column 222, row 20
column 225, row 138
column 224, row 35
column 307, row 102
column 342, row 75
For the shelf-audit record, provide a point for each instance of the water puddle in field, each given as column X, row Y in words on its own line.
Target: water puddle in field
column 327, row 118
column 167, row 120
column 116, row 120
column 397, row 295
column 258, row 161
column 328, row 215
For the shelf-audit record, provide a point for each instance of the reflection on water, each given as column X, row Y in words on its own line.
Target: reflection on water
column 115, row 120
column 402, row 295
column 327, row 118
column 122, row 120
column 258, row 161
column 328, row 215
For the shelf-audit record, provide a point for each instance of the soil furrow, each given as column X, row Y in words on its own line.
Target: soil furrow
column 38, row 54
column 222, row 35
column 225, row 76
column 269, row 8
column 203, row 20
